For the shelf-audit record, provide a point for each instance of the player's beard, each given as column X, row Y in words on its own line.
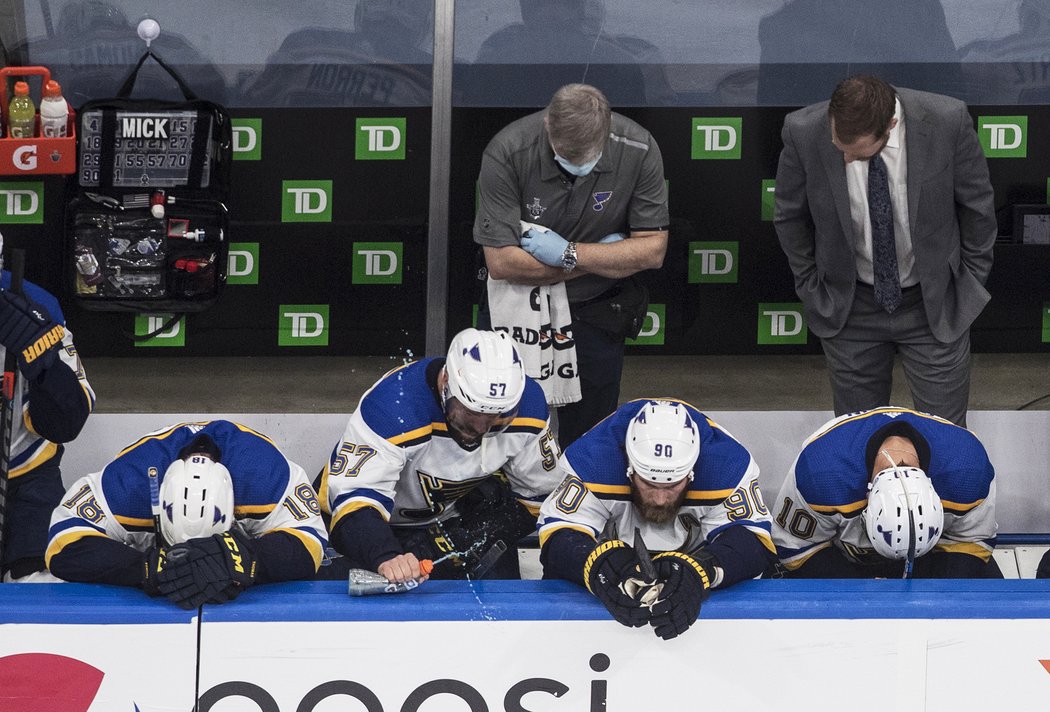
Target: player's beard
column 657, row 513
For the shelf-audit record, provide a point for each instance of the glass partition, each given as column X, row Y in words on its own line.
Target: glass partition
column 263, row 54
column 760, row 52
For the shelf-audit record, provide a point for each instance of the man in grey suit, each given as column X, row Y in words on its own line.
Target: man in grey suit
column 886, row 213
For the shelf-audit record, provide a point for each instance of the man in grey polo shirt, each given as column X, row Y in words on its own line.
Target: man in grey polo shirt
column 591, row 177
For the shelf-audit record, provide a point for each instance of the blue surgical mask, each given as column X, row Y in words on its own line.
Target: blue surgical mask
column 578, row 171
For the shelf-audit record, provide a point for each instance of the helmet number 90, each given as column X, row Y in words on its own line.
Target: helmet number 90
column 660, row 450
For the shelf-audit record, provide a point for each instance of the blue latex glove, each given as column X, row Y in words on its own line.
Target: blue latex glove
column 614, row 237
column 547, row 247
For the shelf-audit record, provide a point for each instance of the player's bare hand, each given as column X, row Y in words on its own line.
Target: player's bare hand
column 401, row 568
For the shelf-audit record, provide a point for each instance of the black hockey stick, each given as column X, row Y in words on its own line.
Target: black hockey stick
column 7, row 414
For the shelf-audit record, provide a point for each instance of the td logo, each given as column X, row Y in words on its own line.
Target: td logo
column 653, row 329
column 377, row 263
column 1003, row 136
column 380, row 139
column 243, row 265
column 303, row 325
column 247, row 139
column 174, row 335
column 717, row 138
column 22, row 203
column 713, row 262
column 1046, row 322
column 781, row 324
column 768, row 199
column 306, row 201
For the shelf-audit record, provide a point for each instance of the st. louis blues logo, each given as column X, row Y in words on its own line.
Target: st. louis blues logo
column 600, row 199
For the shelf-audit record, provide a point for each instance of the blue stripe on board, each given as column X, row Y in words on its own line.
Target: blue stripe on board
column 532, row 600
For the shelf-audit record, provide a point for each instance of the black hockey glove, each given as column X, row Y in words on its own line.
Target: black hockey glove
column 439, row 539
column 233, row 552
column 151, row 566
column 27, row 328
column 686, row 584
column 189, row 577
column 612, row 574
column 211, row 569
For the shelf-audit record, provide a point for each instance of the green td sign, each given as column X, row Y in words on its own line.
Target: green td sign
column 781, row 323
column 306, row 201
column 243, row 266
column 716, row 138
column 377, row 263
column 653, row 330
column 768, row 199
column 22, row 203
column 1003, row 136
column 713, row 262
column 303, row 325
column 247, row 139
column 380, row 139
column 174, row 335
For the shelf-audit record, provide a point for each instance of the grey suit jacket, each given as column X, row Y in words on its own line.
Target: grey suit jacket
column 951, row 212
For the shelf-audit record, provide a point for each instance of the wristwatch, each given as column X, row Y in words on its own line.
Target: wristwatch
column 568, row 258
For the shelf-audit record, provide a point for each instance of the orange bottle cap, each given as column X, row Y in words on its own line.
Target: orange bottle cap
column 21, row 89
column 52, row 88
column 426, row 566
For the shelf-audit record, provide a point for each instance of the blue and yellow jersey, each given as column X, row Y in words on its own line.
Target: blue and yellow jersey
column 826, row 491
column 270, row 493
column 29, row 448
column 724, row 491
column 397, row 457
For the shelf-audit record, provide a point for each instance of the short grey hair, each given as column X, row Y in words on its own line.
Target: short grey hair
column 578, row 121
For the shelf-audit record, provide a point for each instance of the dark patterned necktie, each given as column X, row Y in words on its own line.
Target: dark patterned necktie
column 883, row 246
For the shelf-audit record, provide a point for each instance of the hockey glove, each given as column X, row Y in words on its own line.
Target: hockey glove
column 211, row 569
column 686, row 584
column 233, row 552
column 189, row 577
column 151, row 566
column 612, row 574
column 27, row 328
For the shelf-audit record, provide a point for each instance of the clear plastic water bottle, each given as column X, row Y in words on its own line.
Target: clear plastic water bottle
column 21, row 113
column 54, row 111
column 366, row 583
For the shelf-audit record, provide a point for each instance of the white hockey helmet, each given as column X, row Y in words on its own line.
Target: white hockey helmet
column 485, row 373
column 196, row 498
column 904, row 516
column 663, row 442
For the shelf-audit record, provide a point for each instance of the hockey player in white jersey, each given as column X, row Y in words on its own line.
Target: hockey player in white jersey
column 887, row 493
column 52, row 401
column 663, row 469
column 231, row 510
column 443, row 455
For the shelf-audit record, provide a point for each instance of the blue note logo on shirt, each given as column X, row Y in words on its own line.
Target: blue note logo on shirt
column 600, row 199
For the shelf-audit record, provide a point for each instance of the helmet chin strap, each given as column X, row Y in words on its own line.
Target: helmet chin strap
column 909, row 562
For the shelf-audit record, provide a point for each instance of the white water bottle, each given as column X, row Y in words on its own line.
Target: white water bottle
column 54, row 111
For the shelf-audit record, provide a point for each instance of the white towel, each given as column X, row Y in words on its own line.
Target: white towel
column 538, row 320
